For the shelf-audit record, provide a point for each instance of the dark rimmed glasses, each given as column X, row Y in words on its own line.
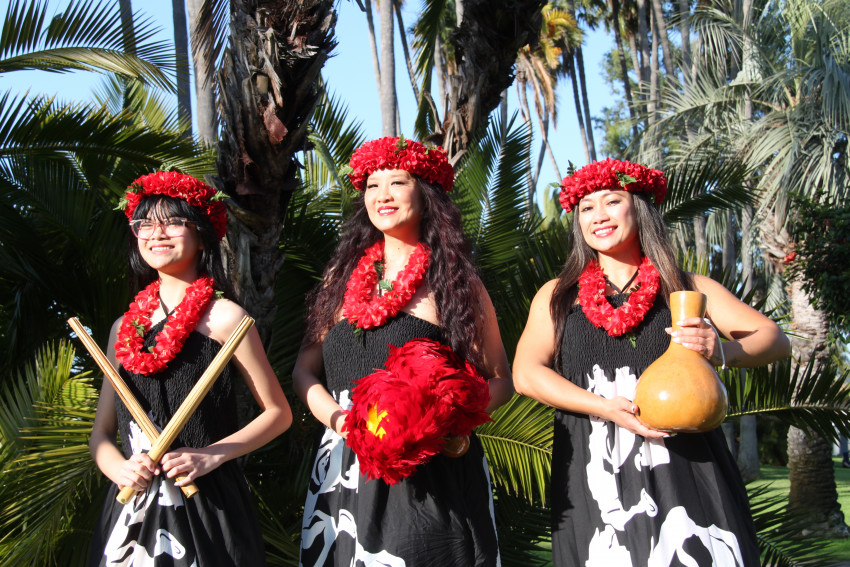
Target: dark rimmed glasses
column 172, row 227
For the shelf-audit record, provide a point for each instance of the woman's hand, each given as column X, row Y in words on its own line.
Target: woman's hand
column 137, row 472
column 699, row 336
column 622, row 411
column 190, row 463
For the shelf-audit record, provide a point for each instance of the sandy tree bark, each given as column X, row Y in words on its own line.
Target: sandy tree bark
column 486, row 44
column 813, row 492
column 205, row 109
column 268, row 94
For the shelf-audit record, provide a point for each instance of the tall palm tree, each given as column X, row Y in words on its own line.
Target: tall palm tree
column 791, row 143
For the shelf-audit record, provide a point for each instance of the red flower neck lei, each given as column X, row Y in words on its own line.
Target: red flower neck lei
column 169, row 341
column 362, row 307
column 591, row 296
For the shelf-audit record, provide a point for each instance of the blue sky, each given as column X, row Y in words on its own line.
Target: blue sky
column 350, row 76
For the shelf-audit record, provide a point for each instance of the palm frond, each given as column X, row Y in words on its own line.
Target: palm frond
column 781, row 533
column 518, row 443
column 50, row 470
column 86, row 36
column 812, row 397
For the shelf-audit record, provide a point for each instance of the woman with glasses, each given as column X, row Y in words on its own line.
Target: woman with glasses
column 161, row 346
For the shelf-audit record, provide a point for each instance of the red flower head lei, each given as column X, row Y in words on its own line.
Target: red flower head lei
column 137, row 321
column 597, row 309
column 400, row 416
column 182, row 186
column 613, row 175
column 362, row 307
column 429, row 163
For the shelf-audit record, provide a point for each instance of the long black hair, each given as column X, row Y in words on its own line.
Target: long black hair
column 654, row 243
column 451, row 273
column 160, row 207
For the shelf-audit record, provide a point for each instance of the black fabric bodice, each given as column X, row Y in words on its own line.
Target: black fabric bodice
column 162, row 393
column 349, row 357
column 584, row 345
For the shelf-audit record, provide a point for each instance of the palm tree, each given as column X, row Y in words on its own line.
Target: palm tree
column 791, row 143
column 62, row 168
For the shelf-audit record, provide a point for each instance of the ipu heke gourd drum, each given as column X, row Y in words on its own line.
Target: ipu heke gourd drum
column 680, row 391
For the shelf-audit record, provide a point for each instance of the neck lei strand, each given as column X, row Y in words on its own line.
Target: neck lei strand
column 619, row 321
column 362, row 307
column 179, row 324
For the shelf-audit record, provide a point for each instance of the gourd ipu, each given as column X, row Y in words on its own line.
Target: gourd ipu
column 681, row 391
column 456, row 446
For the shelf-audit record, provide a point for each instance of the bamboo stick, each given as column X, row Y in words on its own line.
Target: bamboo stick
column 136, row 410
column 193, row 399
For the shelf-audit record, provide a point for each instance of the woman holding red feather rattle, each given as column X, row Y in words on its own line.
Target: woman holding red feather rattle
column 396, row 336
column 624, row 493
column 170, row 334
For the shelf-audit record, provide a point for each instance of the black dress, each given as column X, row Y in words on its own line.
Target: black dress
column 217, row 526
column 441, row 515
column 620, row 499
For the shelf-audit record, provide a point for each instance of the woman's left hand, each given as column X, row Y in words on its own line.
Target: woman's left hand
column 694, row 333
column 189, row 463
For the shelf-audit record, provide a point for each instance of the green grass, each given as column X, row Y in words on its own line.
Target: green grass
column 777, row 477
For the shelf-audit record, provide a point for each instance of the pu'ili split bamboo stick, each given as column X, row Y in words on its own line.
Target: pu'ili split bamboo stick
column 193, row 399
column 123, row 391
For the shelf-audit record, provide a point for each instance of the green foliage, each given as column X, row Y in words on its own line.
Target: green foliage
column 822, row 257
column 49, row 477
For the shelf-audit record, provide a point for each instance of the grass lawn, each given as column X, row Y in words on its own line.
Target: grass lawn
column 778, row 476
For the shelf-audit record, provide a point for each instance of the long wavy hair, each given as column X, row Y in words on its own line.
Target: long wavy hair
column 654, row 243
column 450, row 272
column 209, row 261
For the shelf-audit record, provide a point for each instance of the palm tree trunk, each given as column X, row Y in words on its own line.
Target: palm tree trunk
column 403, row 35
column 643, row 39
column 387, row 94
column 571, row 69
column 658, row 17
column 125, row 8
column 621, row 55
column 654, row 80
column 700, row 244
column 811, row 475
column 441, row 75
column 264, row 123
column 206, row 114
column 373, row 44
column 685, row 31
column 485, row 44
column 585, row 102
column 181, row 49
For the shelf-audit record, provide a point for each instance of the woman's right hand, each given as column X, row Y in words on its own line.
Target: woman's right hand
column 137, row 472
column 623, row 412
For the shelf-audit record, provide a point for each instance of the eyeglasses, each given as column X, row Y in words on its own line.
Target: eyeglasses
column 172, row 227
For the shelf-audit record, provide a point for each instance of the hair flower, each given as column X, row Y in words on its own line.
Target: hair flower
column 182, row 186
column 612, row 174
column 429, row 163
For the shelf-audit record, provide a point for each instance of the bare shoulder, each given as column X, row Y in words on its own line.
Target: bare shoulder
column 545, row 292
column 222, row 319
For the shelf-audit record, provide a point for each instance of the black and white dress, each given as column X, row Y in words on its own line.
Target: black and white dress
column 441, row 515
column 620, row 499
column 218, row 526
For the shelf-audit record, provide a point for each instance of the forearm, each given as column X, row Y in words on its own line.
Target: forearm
column 269, row 424
column 106, row 456
column 762, row 346
column 548, row 387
